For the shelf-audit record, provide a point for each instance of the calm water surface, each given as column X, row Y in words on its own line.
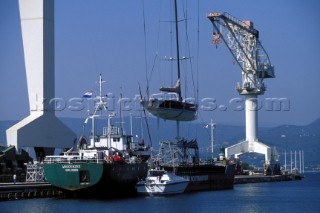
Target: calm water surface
column 291, row 196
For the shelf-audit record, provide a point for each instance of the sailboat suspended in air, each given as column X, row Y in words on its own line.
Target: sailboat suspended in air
column 168, row 104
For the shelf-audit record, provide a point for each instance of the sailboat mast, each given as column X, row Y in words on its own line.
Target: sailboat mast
column 100, row 88
column 212, row 125
column 177, row 43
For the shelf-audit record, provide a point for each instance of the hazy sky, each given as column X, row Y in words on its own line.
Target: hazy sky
column 107, row 36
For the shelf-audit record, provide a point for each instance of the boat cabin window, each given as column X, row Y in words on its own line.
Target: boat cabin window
column 116, row 139
column 156, row 173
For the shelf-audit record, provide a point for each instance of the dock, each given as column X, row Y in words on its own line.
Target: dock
column 29, row 190
column 25, row 190
column 259, row 178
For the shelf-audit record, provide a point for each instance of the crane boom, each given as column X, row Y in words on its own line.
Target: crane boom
column 242, row 40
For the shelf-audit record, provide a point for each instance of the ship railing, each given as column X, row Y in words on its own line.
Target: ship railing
column 70, row 160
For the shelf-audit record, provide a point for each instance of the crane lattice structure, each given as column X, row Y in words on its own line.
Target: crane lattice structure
column 242, row 40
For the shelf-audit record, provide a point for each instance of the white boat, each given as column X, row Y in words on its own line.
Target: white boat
column 161, row 182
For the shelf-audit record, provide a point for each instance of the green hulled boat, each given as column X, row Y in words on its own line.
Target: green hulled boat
column 109, row 165
column 81, row 176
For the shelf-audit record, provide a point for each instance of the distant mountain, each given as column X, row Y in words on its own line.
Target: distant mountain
column 294, row 138
column 285, row 137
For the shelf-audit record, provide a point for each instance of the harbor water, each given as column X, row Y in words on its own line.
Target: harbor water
column 286, row 196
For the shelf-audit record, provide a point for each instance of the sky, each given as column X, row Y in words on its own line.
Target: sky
column 109, row 37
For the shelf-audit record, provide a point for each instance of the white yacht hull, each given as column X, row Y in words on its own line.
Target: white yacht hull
column 161, row 189
column 161, row 182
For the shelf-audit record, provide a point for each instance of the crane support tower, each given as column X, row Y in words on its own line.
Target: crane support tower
column 242, row 40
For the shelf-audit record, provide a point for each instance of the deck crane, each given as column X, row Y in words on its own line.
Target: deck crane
column 242, row 40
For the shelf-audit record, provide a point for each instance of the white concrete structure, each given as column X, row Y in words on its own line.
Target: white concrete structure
column 251, row 117
column 242, row 40
column 41, row 128
column 251, row 143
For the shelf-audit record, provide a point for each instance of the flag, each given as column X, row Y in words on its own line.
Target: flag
column 87, row 95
